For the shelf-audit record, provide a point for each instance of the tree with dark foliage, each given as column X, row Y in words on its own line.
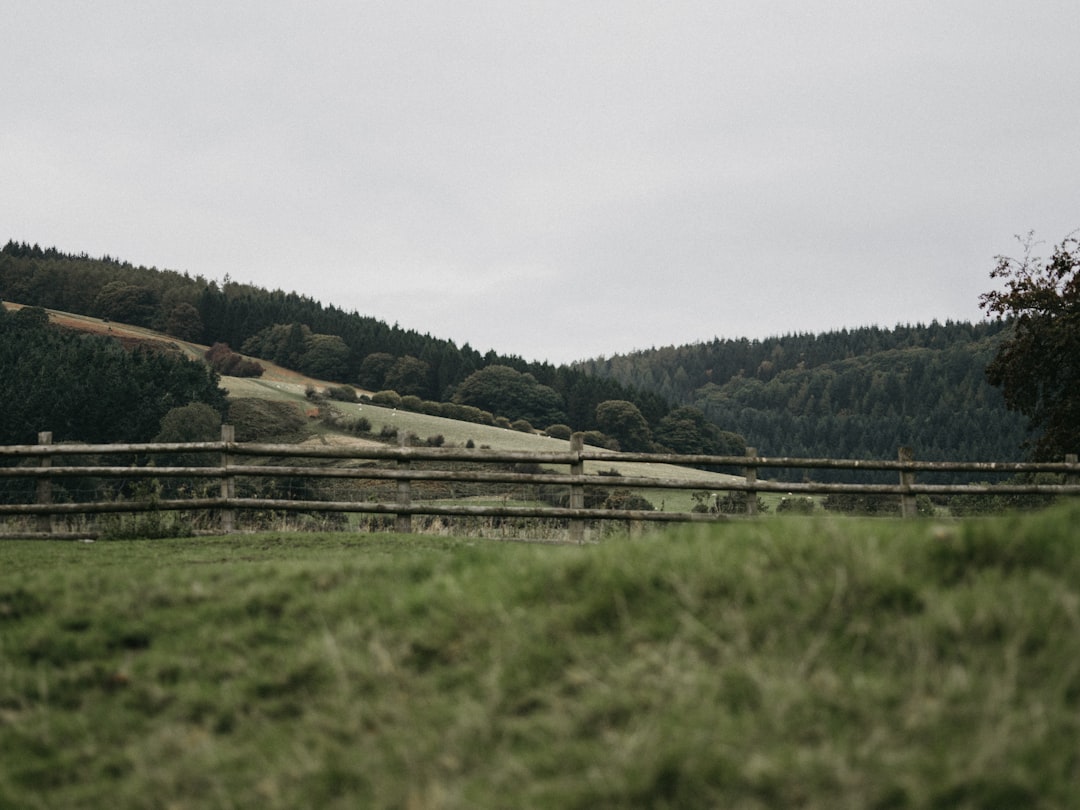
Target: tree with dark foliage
column 504, row 391
column 90, row 388
column 1038, row 365
column 623, row 421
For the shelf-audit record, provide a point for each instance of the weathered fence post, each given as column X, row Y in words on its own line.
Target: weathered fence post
column 577, row 491
column 43, row 494
column 750, row 473
column 228, row 482
column 1071, row 478
column 403, row 524
column 909, row 507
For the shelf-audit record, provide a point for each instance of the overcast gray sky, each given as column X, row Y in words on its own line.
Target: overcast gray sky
column 558, row 180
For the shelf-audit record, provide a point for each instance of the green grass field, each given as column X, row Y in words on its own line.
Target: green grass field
column 819, row 663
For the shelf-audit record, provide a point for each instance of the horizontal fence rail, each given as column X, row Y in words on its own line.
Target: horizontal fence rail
column 228, row 462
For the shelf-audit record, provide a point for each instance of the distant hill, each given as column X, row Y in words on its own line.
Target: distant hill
column 286, row 328
column 327, row 422
column 858, row 393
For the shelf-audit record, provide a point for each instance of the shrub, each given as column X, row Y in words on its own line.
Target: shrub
column 412, row 403
column 226, row 362
column 342, row 393
column 625, row 499
column 431, row 408
column 388, row 399
column 598, row 439
column 559, row 431
column 463, row 413
column 796, row 506
column 330, row 415
column 358, row 426
column 522, row 425
column 734, row 503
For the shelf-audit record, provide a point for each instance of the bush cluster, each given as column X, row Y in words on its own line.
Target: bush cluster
column 796, row 505
column 342, row 393
column 228, row 363
column 447, row 410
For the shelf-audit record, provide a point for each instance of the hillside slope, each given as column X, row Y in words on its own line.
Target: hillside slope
column 285, row 385
column 290, row 329
column 856, row 394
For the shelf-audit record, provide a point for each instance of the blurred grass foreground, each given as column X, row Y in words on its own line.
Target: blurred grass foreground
column 819, row 663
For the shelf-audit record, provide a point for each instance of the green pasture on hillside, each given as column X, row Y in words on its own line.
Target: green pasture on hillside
column 454, row 432
column 815, row 662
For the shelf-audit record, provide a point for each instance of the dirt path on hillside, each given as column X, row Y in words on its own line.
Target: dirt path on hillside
column 138, row 334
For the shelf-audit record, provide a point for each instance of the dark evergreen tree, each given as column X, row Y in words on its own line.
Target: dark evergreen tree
column 88, row 388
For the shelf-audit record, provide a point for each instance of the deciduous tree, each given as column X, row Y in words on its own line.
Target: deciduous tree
column 409, row 375
column 511, row 394
column 127, row 303
column 184, row 322
column 623, row 421
column 686, row 430
column 1037, row 366
column 325, row 357
column 373, row 370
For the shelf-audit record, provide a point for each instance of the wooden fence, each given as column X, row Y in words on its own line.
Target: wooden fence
column 404, row 468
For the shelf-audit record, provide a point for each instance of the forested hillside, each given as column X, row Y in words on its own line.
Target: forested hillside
column 858, row 393
column 289, row 329
column 852, row 393
column 90, row 388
